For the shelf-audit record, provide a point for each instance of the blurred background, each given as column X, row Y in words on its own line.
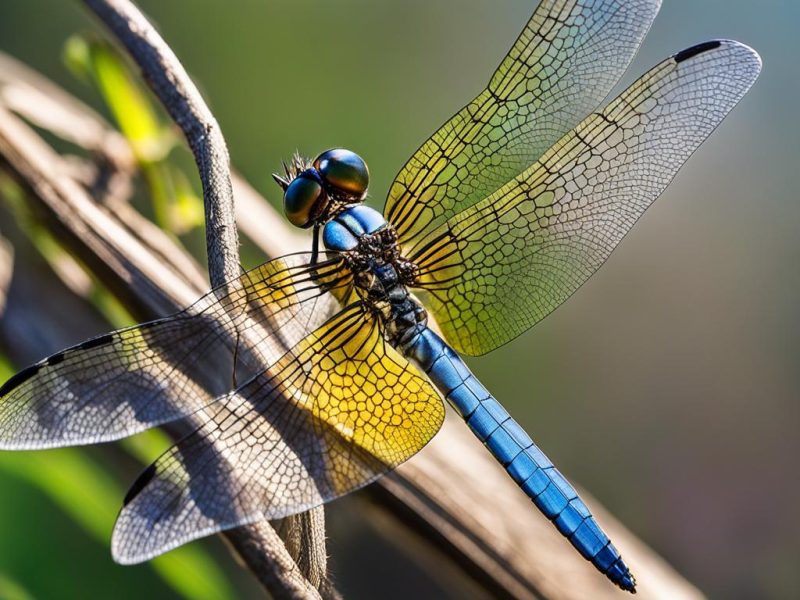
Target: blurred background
column 668, row 386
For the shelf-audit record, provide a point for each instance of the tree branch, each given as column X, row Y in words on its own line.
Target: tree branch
column 169, row 81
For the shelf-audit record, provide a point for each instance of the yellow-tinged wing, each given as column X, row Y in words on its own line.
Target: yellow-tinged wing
column 492, row 271
column 564, row 63
column 125, row 381
column 338, row 410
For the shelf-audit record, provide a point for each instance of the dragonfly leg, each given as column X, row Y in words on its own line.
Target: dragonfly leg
column 315, row 244
column 235, row 361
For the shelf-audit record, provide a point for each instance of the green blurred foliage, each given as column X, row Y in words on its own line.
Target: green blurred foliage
column 82, row 489
column 97, row 61
column 176, row 207
column 85, row 493
column 11, row 590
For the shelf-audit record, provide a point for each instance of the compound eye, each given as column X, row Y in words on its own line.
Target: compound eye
column 344, row 170
column 299, row 200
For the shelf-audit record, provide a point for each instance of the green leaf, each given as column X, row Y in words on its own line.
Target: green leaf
column 11, row 590
column 136, row 117
column 91, row 497
column 176, row 207
column 83, row 490
column 187, row 211
column 6, row 370
column 192, row 572
column 147, row 445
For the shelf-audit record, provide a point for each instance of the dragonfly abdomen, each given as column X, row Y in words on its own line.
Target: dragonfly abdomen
column 521, row 458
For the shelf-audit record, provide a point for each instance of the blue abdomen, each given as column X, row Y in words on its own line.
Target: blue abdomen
column 521, row 458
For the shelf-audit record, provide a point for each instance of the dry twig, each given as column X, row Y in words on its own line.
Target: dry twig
column 169, row 81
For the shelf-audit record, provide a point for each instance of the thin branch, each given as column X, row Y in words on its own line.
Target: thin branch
column 257, row 541
column 172, row 85
column 169, row 81
column 42, row 102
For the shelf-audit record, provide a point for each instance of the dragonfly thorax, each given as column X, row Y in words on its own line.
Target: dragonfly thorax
column 328, row 192
column 355, row 228
column 381, row 275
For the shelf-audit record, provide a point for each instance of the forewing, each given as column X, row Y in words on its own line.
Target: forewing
column 334, row 413
column 564, row 63
column 129, row 380
column 494, row 270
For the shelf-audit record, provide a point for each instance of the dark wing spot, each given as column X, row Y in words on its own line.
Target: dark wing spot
column 140, row 483
column 19, row 379
column 55, row 359
column 695, row 50
column 98, row 341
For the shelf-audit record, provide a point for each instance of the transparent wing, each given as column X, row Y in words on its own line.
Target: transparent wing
column 129, row 380
column 338, row 410
column 564, row 63
column 494, row 270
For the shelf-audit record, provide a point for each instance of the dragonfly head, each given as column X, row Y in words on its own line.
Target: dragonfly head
column 310, row 190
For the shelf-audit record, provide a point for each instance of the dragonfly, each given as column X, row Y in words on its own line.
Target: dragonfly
column 491, row 224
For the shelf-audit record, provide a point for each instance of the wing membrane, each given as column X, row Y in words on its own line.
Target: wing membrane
column 129, row 380
column 338, row 410
column 564, row 63
column 494, row 270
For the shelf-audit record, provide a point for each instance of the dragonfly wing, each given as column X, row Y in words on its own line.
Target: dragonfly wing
column 564, row 63
column 338, row 410
column 129, row 380
column 494, row 270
